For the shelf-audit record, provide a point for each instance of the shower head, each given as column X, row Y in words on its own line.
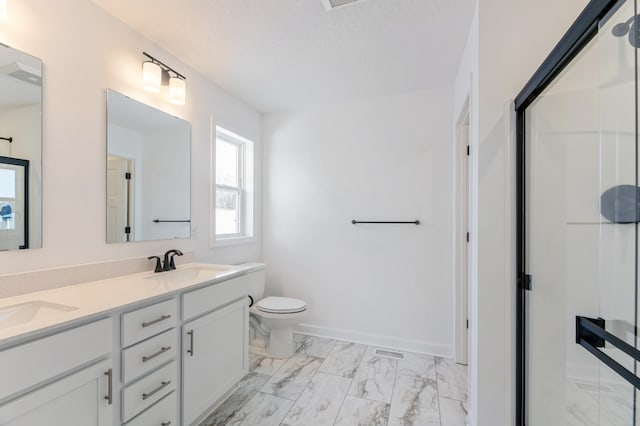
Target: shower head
column 630, row 27
column 621, row 29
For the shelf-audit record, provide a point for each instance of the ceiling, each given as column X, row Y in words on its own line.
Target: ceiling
column 289, row 54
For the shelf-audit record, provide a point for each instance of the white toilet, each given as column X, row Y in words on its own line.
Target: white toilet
column 272, row 318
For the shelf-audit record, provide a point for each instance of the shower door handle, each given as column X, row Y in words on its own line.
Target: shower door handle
column 591, row 335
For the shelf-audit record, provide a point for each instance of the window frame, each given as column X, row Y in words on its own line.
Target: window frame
column 244, row 190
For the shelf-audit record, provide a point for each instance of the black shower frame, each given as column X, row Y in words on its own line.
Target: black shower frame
column 25, row 165
column 581, row 32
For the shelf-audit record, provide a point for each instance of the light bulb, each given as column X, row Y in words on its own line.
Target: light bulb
column 151, row 77
column 177, row 90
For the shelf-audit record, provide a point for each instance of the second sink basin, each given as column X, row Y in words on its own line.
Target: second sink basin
column 25, row 312
column 190, row 274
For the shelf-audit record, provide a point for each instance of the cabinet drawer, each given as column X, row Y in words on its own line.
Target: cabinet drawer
column 147, row 391
column 148, row 321
column 148, row 355
column 164, row 413
column 34, row 362
column 206, row 299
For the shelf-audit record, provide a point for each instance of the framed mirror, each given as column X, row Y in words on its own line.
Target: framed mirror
column 148, row 172
column 20, row 150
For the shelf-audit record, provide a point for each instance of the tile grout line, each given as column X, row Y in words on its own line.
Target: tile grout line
column 395, row 378
column 435, row 367
column 303, row 389
column 353, row 379
column 344, row 398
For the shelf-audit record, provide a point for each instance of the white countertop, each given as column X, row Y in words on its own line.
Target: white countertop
column 101, row 297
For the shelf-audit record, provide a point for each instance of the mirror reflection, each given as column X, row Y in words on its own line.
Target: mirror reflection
column 148, row 172
column 20, row 150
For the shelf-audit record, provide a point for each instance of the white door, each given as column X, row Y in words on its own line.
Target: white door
column 214, row 357
column 76, row 400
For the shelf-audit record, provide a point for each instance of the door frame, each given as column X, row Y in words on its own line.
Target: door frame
column 581, row 32
column 462, row 218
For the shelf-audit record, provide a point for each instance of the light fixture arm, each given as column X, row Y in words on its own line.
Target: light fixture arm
column 164, row 66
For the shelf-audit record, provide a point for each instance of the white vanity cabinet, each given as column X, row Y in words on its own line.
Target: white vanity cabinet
column 147, row 355
column 65, row 378
column 149, row 366
column 80, row 399
column 215, row 345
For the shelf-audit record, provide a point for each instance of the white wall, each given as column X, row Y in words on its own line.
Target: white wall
column 85, row 51
column 164, row 196
column 513, row 38
column 388, row 158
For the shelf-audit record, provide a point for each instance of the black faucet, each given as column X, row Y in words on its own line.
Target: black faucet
column 158, row 265
column 169, row 263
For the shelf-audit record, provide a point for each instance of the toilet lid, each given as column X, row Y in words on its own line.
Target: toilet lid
column 281, row 305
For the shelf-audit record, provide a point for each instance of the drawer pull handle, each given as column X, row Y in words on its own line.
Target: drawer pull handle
column 109, row 397
column 155, row 321
column 191, row 335
column 160, row 352
column 156, row 390
column 165, row 423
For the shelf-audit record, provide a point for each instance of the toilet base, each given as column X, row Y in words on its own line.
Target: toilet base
column 281, row 343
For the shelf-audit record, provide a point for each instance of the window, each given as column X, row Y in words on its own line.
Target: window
column 233, row 198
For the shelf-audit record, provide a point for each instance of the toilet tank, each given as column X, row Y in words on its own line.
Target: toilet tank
column 257, row 279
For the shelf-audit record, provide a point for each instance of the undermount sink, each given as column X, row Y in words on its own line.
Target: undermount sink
column 194, row 273
column 25, row 312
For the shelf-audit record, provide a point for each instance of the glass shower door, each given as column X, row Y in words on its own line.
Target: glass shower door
column 581, row 231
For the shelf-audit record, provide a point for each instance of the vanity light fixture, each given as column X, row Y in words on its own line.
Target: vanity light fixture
column 156, row 74
column 177, row 91
column 151, row 77
column 3, row 9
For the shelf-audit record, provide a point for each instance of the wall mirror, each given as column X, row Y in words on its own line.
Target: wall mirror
column 148, row 172
column 20, row 150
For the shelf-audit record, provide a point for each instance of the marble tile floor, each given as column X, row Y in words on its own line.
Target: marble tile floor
column 329, row 382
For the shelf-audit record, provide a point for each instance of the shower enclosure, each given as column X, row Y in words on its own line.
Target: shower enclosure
column 578, row 215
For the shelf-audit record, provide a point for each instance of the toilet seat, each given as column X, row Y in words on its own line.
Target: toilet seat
column 281, row 305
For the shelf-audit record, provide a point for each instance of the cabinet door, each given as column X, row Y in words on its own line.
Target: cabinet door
column 79, row 399
column 214, row 357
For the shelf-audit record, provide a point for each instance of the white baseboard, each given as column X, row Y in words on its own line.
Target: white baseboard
column 427, row 348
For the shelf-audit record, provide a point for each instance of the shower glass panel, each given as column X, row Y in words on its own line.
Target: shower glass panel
column 581, row 232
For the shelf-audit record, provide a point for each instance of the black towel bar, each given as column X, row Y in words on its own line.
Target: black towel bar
column 414, row 222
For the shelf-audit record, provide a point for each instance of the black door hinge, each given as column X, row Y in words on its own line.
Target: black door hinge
column 127, row 230
column 468, row 150
column 524, row 282
column 468, row 237
column 127, row 176
column 467, row 324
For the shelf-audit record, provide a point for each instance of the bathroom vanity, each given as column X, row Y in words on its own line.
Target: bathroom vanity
column 142, row 349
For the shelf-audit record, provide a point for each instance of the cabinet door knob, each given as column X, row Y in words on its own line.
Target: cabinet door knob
column 165, row 423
